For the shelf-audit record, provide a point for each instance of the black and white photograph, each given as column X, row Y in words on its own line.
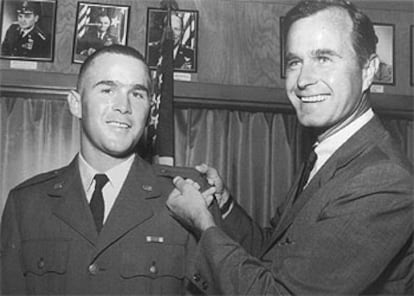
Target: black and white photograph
column 97, row 26
column 27, row 30
column 184, row 25
column 385, row 51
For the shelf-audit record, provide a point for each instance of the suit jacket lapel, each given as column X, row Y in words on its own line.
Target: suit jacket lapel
column 72, row 206
column 133, row 206
column 351, row 149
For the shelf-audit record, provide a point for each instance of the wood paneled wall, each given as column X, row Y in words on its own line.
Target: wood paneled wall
column 238, row 49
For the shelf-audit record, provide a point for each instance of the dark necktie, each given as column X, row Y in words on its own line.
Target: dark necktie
column 307, row 168
column 97, row 204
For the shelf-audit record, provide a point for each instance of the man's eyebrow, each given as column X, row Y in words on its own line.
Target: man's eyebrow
column 105, row 82
column 325, row 51
column 137, row 86
column 141, row 87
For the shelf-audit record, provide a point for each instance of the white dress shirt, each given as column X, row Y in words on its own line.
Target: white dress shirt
column 325, row 149
column 110, row 191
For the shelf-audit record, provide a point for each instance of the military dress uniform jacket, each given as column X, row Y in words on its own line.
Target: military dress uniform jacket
column 91, row 40
column 50, row 244
column 35, row 44
column 349, row 232
column 184, row 58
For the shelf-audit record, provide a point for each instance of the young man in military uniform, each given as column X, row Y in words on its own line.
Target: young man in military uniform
column 26, row 39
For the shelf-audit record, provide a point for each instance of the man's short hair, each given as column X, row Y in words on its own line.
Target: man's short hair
column 113, row 49
column 363, row 35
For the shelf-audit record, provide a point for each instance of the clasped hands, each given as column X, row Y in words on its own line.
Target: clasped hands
column 190, row 206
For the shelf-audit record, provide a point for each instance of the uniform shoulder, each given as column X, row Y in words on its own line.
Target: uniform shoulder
column 38, row 179
column 40, row 33
column 184, row 172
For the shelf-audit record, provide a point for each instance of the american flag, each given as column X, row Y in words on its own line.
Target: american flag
column 84, row 19
column 161, row 126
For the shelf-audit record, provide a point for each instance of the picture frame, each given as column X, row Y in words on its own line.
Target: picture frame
column 186, row 38
column 27, row 30
column 98, row 25
column 386, row 52
column 282, row 49
column 412, row 55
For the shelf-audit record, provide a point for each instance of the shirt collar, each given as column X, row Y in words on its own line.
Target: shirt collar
column 328, row 146
column 116, row 175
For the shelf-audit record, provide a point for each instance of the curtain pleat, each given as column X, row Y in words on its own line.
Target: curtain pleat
column 256, row 153
column 36, row 136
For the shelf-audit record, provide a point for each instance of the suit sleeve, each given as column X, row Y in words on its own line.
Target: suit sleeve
column 365, row 226
column 12, row 278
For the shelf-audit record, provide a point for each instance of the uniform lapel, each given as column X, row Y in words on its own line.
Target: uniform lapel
column 349, row 151
column 133, row 205
column 71, row 206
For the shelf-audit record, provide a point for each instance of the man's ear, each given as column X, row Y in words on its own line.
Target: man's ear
column 75, row 103
column 369, row 70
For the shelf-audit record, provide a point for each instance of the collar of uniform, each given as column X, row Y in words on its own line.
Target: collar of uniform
column 325, row 149
column 116, row 175
column 24, row 32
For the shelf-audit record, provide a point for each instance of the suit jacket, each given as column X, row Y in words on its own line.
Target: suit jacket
column 349, row 232
column 35, row 44
column 50, row 244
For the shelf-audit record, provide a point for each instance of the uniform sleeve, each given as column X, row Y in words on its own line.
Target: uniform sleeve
column 361, row 234
column 12, row 278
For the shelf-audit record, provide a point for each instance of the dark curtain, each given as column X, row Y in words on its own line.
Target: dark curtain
column 256, row 153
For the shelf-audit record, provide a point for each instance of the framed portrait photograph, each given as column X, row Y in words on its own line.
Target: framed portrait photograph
column 184, row 25
column 385, row 50
column 98, row 25
column 28, row 30
column 282, row 49
column 412, row 55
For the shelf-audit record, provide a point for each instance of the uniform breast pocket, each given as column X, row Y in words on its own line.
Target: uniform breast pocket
column 44, row 265
column 153, row 268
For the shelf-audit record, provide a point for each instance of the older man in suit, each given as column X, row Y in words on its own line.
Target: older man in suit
column 347, row 228
column 98, row 225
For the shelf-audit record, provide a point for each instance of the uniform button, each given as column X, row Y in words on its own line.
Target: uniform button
column 147, row 188
column 204, row 285
column 196, row 277
column 93, row 268
column 153, row 269
column 41, row 263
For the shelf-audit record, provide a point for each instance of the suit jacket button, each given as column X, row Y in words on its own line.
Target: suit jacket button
column 41, row 263
column 196, row 277
column 93, row 268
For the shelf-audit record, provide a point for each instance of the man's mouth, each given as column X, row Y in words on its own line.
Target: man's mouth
column 119, row 124
column 313, row 99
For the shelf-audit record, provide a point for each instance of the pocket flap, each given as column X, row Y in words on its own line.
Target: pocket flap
column 154, row 260
column 42, row 256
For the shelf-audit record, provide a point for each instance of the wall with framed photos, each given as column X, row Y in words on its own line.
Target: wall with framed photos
column 238, row 52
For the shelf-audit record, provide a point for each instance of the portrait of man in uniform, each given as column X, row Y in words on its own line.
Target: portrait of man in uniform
column 184, row 33
column 98, row 26
column 28, row 30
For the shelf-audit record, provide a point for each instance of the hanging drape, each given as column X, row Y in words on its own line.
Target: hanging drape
column 256, row 153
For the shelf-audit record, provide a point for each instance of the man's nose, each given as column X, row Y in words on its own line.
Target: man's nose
column 122, row 102
column 307, row 76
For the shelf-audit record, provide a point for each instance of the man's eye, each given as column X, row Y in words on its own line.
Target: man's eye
column 106, row 91
column 292, row 63
column 323, row 59
column 139, row 94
